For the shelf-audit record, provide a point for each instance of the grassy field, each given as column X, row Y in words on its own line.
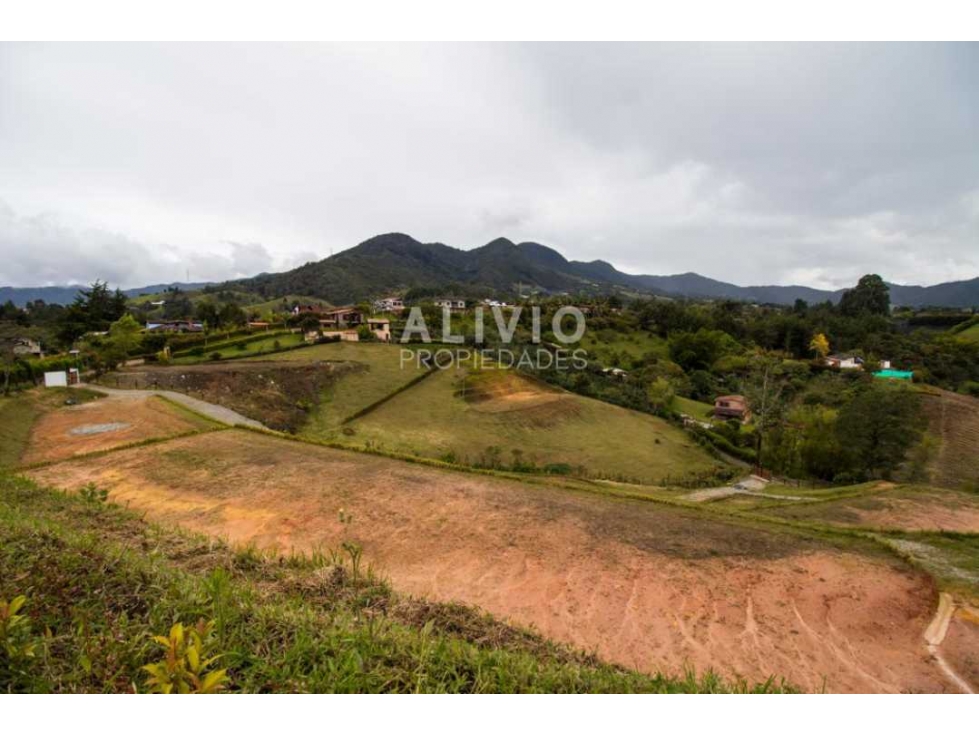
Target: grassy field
column 257, row 348
column 954, row 421
column 17, row 415
column 381, row 375
column 694, row 408
column 970, row 334
column 99, row 582
column 635, row 345
column 498, row 418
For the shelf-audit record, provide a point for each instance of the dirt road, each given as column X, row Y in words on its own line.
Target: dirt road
column 214, row 412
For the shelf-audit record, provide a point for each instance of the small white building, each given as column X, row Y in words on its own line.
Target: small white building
column 455, row 304
column 844, row 362
column 56, row 379
column 27, row 347
column 389, row 305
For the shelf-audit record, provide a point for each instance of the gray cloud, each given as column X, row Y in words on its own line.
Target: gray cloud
column 752, row 163
column 46, row 250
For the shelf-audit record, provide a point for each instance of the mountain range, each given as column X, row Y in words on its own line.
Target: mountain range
column 65, row 294
column 396, row 262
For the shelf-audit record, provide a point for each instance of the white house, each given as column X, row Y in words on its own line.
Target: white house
column 453, row 303
column 844, row 362
column 389, row 305
column 24, row 346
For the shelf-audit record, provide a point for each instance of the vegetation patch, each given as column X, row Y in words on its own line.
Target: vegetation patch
column 954, row 420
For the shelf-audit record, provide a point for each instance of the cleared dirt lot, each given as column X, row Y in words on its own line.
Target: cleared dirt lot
column 103, row 424
column 644, row 585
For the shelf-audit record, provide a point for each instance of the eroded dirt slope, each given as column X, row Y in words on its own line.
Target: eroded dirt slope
column 279, row 395
column 644, row 585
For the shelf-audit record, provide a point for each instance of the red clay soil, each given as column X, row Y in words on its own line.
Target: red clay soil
column 103, row 424
column 642, row 584
column 961, row 645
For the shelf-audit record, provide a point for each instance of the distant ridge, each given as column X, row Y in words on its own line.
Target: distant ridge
column 397, row 261
column 65, row 294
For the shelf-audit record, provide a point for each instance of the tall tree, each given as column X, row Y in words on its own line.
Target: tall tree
column 764, row 390
column 870, row 297
column 819, row 345
column 92, row 310
column 879, row 426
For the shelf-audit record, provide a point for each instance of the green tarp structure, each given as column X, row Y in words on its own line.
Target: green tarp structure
column 894, row 375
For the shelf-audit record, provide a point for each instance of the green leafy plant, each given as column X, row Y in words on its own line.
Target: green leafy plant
column 16, row 642
column 187, row 658
column 91, row 493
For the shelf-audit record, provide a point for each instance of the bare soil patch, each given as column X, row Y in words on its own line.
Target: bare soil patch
column 530, row 402
column 280, row 395
column 961, row 645
column 103, row 424
column 907, row 507
column 641, row 584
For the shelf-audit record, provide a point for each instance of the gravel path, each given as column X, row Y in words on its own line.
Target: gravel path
column 215, row 412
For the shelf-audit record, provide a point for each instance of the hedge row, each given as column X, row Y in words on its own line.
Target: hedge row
column 224, row 344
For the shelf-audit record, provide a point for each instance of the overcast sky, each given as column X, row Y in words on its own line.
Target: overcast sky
column 754, row 164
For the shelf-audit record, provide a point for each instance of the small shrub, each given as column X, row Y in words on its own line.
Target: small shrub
column 184, row 667
column 16, row 642
column 215, row 356
column 91, row 493
column 558, row 468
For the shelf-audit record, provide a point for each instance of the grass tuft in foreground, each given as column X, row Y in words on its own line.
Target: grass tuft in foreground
column 102, row 589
